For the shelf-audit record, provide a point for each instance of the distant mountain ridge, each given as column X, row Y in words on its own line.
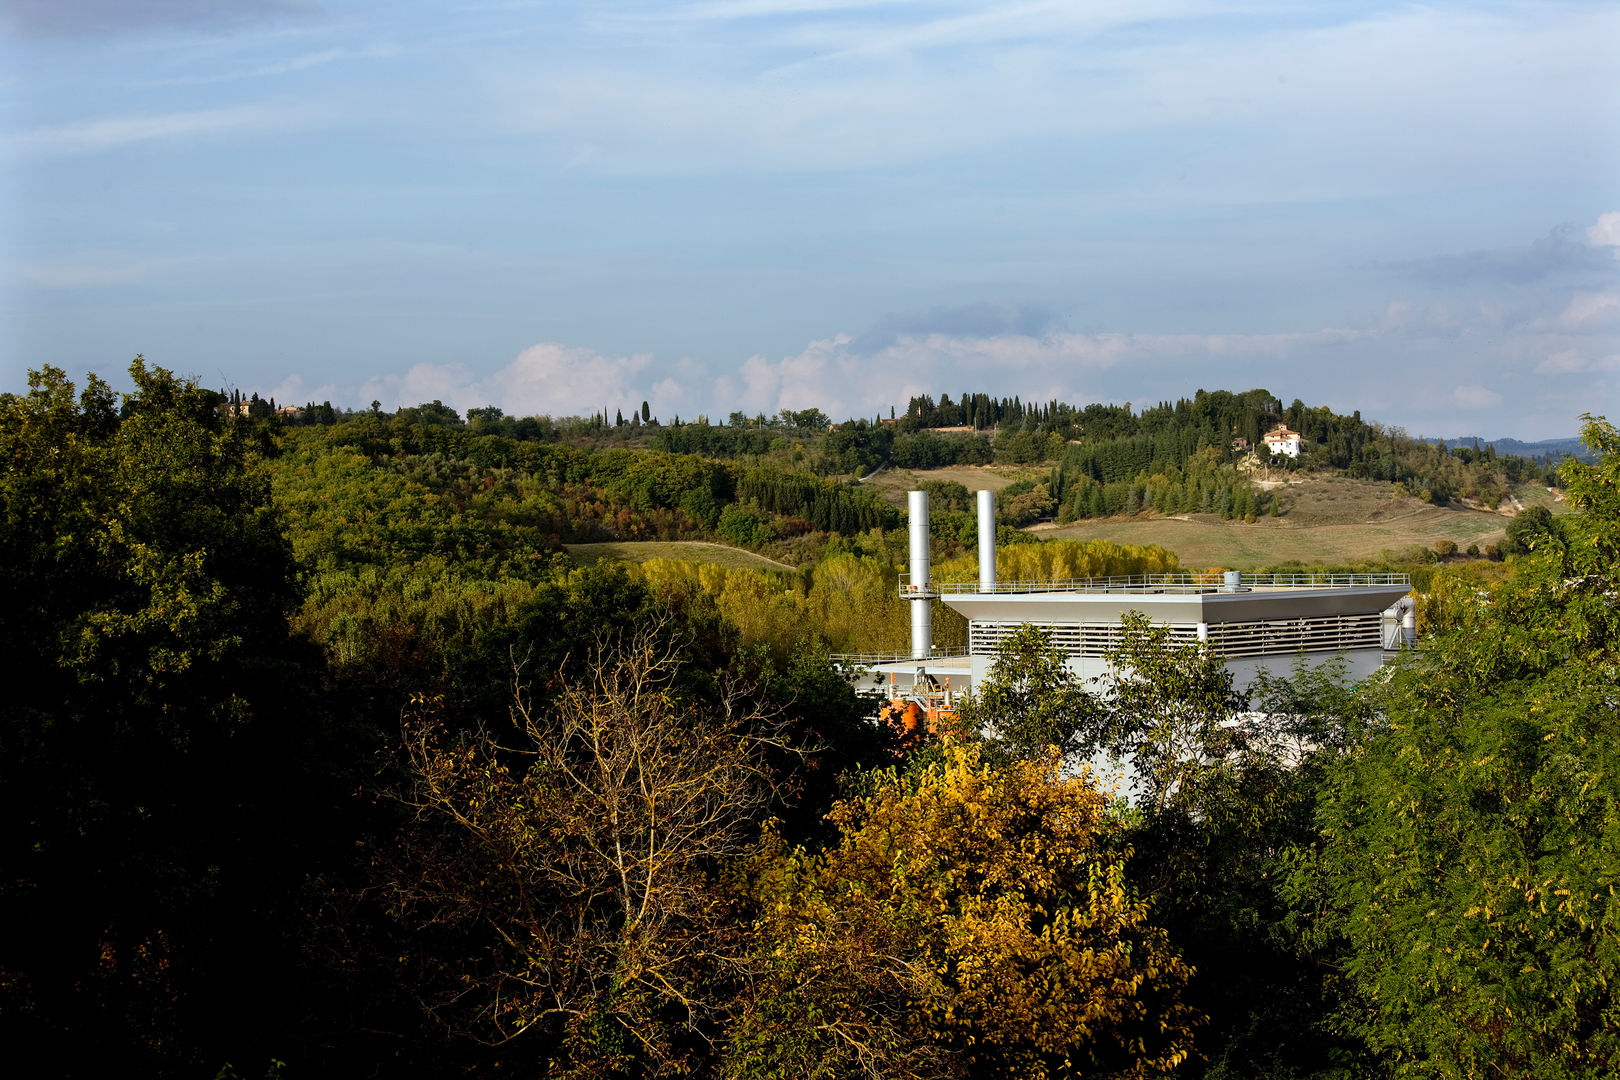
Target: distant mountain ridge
column 1554, row 449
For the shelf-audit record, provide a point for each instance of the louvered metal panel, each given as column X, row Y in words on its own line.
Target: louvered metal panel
column 1276, row 637
column 1325, row 633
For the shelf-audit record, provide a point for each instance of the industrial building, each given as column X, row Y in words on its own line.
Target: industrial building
column 1252, row 620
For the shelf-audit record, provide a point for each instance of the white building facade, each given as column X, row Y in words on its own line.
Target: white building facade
column 1284, row 440
column 1253, row 621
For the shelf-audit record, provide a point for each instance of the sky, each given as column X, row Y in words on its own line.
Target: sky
column 1410, row 210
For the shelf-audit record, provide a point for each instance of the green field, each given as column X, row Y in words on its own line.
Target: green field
column 690, row 550
column 1325, row 520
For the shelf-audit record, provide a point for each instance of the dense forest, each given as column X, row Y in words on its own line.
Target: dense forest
column 325, row 757
column 790, row 475
column 1178, row 457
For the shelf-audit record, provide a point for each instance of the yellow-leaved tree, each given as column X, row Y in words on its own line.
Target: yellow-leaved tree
column 969, row 920
column 1064, row 560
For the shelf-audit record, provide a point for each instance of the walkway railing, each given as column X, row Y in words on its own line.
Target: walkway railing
column 1183, row 584
column 866, row 659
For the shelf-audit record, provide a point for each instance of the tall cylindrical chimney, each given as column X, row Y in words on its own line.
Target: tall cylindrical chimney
column 987, row 541
column 917, row 507
column 922, row 628
column 922, row 616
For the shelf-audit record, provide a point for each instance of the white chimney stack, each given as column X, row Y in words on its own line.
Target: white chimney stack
column 987, row 541
column 922, row 614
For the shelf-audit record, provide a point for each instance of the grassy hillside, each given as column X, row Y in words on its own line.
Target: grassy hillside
column 1325, row 520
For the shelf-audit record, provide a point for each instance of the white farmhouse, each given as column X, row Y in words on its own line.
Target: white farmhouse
column 1284, row 440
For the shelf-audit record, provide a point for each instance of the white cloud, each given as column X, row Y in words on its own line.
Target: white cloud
column 1475, row 396
column 1563, row 362
column 547, row 378
column 1411, row 346
column 550, row 378
column 294, row 391
column 1590, row 310
column 1574, row 362
column 108, row 133
column 844, row 381
column 1606, row 232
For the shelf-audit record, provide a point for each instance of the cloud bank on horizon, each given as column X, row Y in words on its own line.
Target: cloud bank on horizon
column 715, row 205
column 985, row 350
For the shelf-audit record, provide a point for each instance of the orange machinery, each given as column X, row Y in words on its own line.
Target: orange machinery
column 923, row 710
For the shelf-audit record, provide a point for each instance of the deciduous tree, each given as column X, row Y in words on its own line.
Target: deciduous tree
column 1469, row 854
column 567, row 885
column 149, row 776
column 969, row 920
column 1030, row 703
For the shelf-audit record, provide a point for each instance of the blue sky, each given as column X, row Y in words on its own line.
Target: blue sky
column 1410, row 210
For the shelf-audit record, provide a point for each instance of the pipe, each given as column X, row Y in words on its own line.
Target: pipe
column 1400, row 624
column 922, row 628
column 987, row 541
column 922, row 615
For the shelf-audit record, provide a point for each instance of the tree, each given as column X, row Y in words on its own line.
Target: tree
column 150, row 779
column 1468, row 859
column 1594, row 491
column 1029, row 702
column 1468, row 854
column 567, row 887
column 969, row 920
column 1528, row 526
column 1220, row 796
column 1171, row 709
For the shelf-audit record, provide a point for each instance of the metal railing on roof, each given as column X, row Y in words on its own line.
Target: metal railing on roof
column 939, row 652
column 1178, row 584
